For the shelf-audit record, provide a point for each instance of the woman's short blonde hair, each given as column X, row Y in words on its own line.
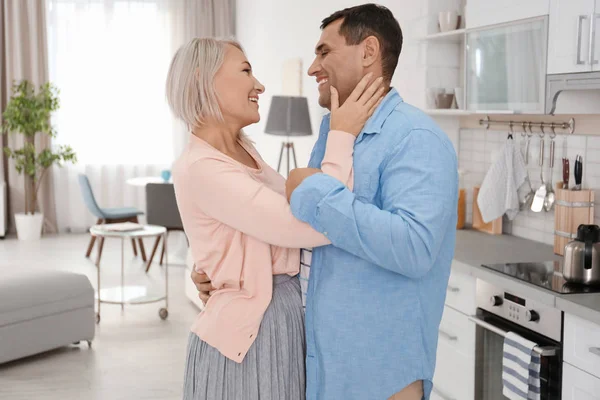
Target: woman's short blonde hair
column 190, row 87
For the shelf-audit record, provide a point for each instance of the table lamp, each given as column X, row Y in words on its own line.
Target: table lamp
column 288, row 116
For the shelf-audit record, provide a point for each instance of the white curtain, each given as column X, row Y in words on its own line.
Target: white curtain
column 23, row 55
column 110, row 58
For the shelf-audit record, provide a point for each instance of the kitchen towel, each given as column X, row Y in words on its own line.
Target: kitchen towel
column 498, row 194
column 520, row 368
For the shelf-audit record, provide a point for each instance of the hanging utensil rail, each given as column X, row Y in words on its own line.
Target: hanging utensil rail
column 568, row 126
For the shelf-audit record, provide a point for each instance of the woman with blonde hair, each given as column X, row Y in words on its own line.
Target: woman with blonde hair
column 248, row 342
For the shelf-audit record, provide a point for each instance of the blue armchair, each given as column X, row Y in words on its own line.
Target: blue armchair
column 108, row 216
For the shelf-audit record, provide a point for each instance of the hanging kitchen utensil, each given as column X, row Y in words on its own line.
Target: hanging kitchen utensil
column 525, row 200
column 510, row 134
column 566, row 173
column 550, row 196
column 537, row 205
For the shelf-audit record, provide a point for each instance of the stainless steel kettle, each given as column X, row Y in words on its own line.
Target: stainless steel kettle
column 582, row 256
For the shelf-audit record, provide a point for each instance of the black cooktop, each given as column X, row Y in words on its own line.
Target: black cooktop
column 547, row 275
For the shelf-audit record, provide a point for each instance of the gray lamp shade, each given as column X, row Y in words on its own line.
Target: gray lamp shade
column 288, row 116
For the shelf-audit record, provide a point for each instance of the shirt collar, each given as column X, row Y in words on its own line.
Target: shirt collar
column 375, row 123
column 389, row 103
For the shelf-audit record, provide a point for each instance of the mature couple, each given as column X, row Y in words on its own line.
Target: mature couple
column 378, row 205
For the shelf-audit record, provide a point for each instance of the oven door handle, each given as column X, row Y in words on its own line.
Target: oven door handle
column 544, row 351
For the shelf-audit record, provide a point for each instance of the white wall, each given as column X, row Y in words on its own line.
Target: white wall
column 272, row 31
column 478, row 148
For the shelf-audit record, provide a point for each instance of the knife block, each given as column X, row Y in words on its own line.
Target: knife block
column 571, row 209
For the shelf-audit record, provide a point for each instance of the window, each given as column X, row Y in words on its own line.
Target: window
column 109, row 60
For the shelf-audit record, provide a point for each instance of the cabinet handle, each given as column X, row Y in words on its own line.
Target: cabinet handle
column 580, row 19
column 593, row 40
column 453, row 289
column 448, row 336
column 442, row 394
column 595, row 350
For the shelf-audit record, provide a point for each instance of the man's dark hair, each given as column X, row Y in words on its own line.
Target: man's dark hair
column 366, row 20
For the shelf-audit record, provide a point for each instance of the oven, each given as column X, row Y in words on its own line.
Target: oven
column 500, row 311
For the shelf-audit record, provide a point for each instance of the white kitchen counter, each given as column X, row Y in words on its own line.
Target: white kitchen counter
column 475, row 248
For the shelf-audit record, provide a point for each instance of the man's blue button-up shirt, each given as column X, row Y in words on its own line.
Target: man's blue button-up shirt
column 376, row 295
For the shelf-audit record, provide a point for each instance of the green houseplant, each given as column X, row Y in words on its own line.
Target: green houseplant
column 28, row 113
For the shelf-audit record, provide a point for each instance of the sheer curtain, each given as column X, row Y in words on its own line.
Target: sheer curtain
column 23, row 55
column 110, row 58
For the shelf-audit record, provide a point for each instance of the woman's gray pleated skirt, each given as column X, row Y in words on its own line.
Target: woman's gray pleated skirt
column 273, row 368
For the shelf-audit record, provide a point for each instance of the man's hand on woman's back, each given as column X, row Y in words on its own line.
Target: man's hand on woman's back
column 203, row 284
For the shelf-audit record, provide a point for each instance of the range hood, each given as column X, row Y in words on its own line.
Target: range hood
column 558, row 83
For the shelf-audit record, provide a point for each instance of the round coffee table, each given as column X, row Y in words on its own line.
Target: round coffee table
column 131, row 294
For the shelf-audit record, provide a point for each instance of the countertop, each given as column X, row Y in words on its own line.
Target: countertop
column 475, row 248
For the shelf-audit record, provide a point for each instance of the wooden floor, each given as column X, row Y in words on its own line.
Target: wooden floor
column 135, row 355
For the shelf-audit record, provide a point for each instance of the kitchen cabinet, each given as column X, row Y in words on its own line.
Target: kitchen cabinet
column 460, row 293
column 579, row 385
column 596, row 40
column 569, row 39
column 457, row 332
column 454, row 377
column 506, row 67
column 581, row 353
column 582, row 344
column 480, row 13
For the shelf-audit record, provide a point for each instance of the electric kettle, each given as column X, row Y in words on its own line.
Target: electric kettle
column 582, row 256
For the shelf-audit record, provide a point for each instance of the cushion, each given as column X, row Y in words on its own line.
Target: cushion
column 122, row 212
column 36, row 293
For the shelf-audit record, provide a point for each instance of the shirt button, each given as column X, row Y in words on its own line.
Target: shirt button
column 325, row 233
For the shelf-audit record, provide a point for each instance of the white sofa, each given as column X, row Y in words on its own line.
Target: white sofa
column 43, row 310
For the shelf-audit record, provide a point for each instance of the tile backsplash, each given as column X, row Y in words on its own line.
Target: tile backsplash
column 479, row 147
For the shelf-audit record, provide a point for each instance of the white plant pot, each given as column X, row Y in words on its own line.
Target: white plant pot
column 29, row 226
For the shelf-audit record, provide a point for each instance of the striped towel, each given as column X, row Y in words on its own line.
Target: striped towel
column 520, row 368
column 305, row 260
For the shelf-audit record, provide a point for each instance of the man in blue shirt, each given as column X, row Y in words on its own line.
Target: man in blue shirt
column 376, row 295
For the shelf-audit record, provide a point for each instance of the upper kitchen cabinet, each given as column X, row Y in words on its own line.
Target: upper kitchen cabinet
column 506, row 67
column 491, row 12
column 596, row 40
column 573, row 37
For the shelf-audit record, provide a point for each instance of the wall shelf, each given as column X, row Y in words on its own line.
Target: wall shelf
column 456, row 36
column 450, row 112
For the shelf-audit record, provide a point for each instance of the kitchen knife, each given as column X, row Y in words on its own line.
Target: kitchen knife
column 565, row 173
column 578, row 172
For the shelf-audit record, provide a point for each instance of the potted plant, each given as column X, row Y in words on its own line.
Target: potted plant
column 28, row 113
